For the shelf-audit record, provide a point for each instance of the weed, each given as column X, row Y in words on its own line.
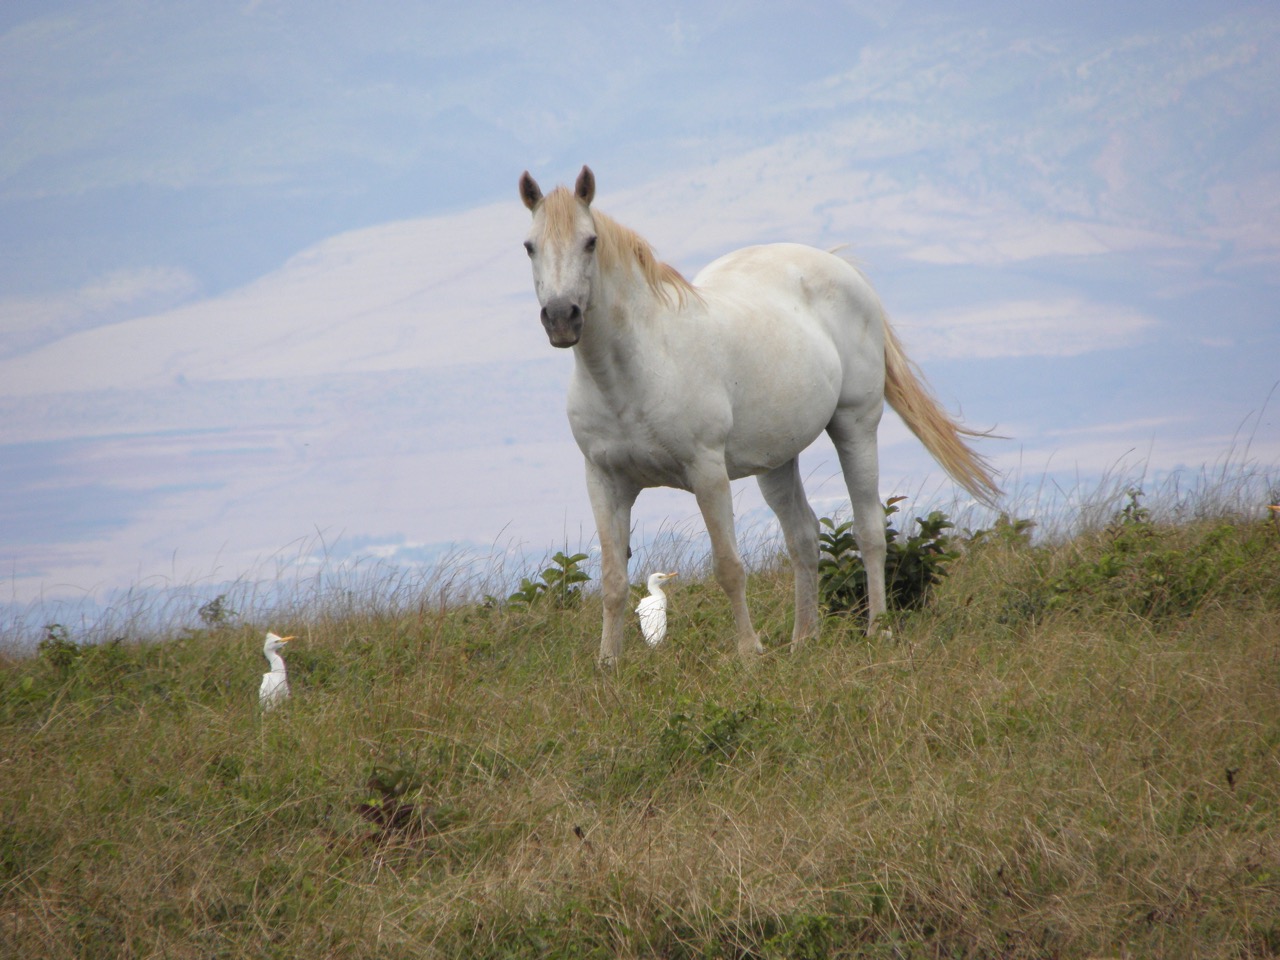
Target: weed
column 560, row 583
column 710, row 735
column 216, row 612
column 1007, row 531
column 58, row 649
column 693, row 745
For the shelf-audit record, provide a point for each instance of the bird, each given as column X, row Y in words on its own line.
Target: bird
column 653, row 610
column 275, row 684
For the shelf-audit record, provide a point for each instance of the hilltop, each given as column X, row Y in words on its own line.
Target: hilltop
column 1071, row 750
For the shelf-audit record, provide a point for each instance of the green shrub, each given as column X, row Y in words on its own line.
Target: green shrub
column 1142, row 568
column 58, row 649
column 913, row 565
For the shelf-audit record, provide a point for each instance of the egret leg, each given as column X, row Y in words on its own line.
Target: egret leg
column 784, row 493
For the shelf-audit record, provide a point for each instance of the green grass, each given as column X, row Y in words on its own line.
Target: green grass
column 1072, row 751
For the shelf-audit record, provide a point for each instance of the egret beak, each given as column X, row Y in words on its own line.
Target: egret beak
column 287, row 639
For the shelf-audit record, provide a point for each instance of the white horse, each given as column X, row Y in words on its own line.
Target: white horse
column 692, row 385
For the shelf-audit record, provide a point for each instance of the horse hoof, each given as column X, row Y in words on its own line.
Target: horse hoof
column 800, row 640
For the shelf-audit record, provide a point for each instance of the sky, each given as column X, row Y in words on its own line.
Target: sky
column 264, row 305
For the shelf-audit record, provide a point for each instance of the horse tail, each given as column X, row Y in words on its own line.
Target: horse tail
column 906, row 391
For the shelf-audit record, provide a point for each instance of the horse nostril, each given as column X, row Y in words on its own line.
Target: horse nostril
column 562, row 311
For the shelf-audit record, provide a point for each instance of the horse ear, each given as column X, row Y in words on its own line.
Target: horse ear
column 530, row 193
column 585, row 189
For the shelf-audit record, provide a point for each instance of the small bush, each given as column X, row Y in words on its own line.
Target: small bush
column 913, row 565
column 58, row 649
column 1142, row 568
column 560, row 583
column 690, row 747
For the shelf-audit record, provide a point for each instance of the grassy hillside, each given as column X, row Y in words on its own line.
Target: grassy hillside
column 1072, row 750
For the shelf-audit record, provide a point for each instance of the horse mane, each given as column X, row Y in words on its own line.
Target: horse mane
column 616, row 246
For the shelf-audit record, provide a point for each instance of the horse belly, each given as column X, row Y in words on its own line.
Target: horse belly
column 786, row 378
column 777, row 421
column 795, row 326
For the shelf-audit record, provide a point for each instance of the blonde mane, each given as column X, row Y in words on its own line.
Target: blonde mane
column 616, row 246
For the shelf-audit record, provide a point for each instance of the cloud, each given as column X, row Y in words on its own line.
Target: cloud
column 1246, row 219
column 1104, row 452
column 810, row 188
column 1065, row 327
column 1106, row 131
column 28, row 322
column 416, row 294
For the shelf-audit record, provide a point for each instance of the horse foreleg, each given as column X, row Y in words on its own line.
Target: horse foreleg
column 715, row 500
column 855, row 442
column 611, row 503
column 784, row 493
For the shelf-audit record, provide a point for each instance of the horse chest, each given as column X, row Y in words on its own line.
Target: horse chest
column 630, row 441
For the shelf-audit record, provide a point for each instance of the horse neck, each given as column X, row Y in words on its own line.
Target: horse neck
column 617, row 335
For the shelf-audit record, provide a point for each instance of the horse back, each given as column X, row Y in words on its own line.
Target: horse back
column 794, row 290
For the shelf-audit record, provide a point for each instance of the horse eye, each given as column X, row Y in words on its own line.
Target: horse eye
column 590, row 245
column 528, row 248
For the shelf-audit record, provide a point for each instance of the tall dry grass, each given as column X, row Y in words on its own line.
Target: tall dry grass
column 1045, row 762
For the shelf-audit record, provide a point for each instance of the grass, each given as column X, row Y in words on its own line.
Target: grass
column 1072, row 751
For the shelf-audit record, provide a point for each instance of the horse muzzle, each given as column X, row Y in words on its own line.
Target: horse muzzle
column 563, row 322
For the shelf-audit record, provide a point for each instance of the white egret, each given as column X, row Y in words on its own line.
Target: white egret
column 275, row 684
column 653, row 610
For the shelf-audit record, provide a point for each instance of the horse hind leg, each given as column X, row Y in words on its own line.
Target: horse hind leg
column 854, row 437
column 784, row 493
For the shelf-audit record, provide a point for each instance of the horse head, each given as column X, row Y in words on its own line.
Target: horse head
column 562, row 249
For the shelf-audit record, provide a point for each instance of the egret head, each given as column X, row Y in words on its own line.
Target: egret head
column 562, row 248
column 274, row 643
column 658, row 579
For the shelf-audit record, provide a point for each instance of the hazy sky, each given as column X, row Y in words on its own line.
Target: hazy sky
column 263, row 296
